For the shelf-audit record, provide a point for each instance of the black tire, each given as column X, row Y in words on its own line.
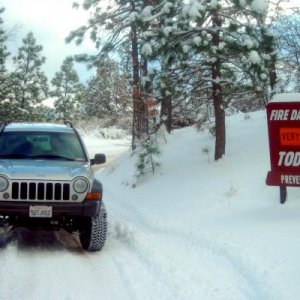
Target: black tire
column 283, row 194
column 94, row 231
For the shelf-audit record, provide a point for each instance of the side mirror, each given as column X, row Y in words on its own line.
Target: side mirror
column 99, row 159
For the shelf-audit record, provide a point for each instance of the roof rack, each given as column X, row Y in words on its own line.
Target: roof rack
column 69, row 123
column 3, row 125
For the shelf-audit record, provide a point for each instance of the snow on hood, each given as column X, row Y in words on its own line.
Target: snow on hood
column 43, row 169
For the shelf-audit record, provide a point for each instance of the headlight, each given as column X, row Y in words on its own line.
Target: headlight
column 3, row 184
column 80, row 185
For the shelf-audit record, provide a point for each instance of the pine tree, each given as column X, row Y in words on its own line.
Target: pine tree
column 68, row 91
column 7, row 108
column 287, row 29
column 29, row 82
column 107, row 93
column 209, row 45
column 121, row 25
column 4, row 76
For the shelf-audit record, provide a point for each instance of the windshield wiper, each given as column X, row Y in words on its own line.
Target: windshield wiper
column 53, row 156
column 15, row 155
column 45, row 156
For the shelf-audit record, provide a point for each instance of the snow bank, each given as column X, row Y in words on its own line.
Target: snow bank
column 286, row 97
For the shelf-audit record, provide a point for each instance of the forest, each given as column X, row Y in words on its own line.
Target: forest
column 173, row 63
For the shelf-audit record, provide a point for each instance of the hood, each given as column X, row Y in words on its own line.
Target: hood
column 29, row 169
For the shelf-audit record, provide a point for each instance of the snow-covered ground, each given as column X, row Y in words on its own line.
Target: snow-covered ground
column 197, row 229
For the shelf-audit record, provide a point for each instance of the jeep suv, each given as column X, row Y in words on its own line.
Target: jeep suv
column 47, row 182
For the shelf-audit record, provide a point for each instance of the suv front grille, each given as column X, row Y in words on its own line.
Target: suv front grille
column 49, row 191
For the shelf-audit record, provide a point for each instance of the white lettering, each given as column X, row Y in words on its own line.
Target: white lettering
column 286, row 114
column 290, row 179
column 281, row 156
column 296, row 162
column 295, row 115
column 288, row 159
column 279, row 114
column 273, row 114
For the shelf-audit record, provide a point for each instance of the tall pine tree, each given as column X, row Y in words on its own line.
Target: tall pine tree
column 120, row 23
column 30, row 83
column 207, row 45
column 107, row 93
column 67, row 91
column 4, row 76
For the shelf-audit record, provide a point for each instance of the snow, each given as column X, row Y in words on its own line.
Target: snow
column 243, row 3
column 259, row 6
column 167, row 30
column 214, row 4
column 196, row 229
column 147, row 12
column 133, row 17
column 167, row 7
column 248, row 43
column 254, row 57
column 263, row 76
column 197, row 40
column 147, row 49
column 186, row 48
column 193, row 9
column 286, row 97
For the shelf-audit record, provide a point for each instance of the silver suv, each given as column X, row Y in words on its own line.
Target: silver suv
column 47, row 181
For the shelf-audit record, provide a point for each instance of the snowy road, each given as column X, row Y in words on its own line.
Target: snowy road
column 142, row 260
column 161, row 260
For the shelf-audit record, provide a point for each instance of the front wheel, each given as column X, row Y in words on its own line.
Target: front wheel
column 93, row 234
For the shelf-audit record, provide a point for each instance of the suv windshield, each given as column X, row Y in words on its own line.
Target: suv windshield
column 41, row 145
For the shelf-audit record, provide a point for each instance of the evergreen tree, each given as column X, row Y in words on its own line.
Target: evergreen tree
column 29, row 82
column 207, row 45
column 4, row 76
column 107, row 93
column 120, row 23
column 12, row 85
column 68, row 92
column 287, row 29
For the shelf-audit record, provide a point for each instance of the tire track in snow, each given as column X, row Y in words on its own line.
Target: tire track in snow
column 200, row 267
column 38, row 266
column 138, row 277
column 134, row 270
column 243, row 277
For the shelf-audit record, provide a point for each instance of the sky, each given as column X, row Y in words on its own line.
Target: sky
column 50, row 21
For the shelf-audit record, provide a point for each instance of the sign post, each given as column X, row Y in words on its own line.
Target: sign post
column 283, row 115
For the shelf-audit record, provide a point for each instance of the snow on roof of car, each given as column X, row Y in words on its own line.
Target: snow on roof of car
column 286, row 97
column 38, row 127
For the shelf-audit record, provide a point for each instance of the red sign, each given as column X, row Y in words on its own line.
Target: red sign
column 284, row 143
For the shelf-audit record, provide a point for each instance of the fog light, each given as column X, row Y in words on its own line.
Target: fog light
column 6, row 195
column 74, row 197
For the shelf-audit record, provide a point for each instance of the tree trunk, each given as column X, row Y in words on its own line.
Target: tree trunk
column 166, row 103
column 273, row 75
column 138, row 110
column 166, row 111
column 217, row 93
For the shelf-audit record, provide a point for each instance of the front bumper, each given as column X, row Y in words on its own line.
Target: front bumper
column 87, row 208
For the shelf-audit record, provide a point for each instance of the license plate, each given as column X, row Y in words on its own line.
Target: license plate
column 40, row 211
